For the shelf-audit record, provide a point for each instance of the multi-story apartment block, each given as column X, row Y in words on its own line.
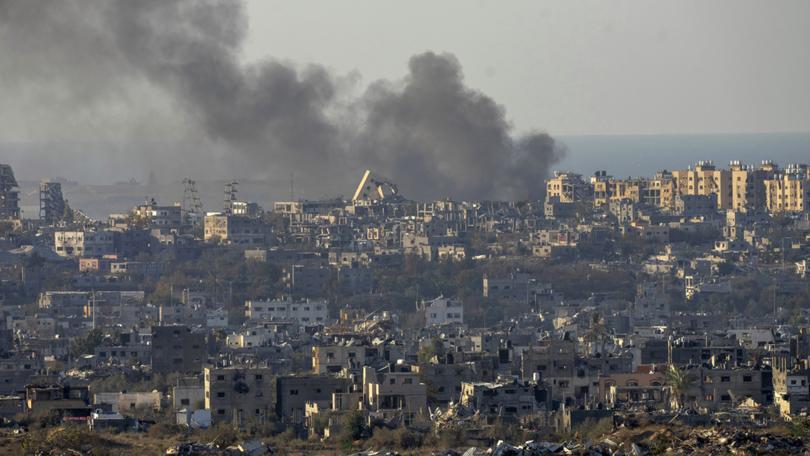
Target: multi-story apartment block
column 748, row 185
column 506, row 401
column 705, row 179
column 602, row 188
column 239, row 396
column 443, row 311
column 177, row 349
column 660, row 190
column 335, row 358
column 156, row 216
column 396, row 390
column 789, row 191
column 234, row 230
column 517, row 287
column 566, row 187
column 306, row 313
column 51, row 202
column 9, row 195
column 294, row 392
column 305, row 279
column 85, row 243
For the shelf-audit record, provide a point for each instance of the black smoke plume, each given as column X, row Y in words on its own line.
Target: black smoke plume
column 430, row 133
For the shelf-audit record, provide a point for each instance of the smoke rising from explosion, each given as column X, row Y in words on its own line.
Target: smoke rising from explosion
column 429, row 133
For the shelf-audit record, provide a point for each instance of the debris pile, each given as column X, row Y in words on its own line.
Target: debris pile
column 734, row 441
column 603, row 448
column 455, row 414
column 249, row 448
column 702, row 441
column 376, row 453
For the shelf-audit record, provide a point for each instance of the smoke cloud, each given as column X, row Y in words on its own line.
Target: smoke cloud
column 162, row 66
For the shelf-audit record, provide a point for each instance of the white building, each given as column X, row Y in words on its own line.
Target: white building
column 249, row 338
column 306, row 313
column 234, row 230
column 84, row 243
column 443, row 311
column 157, row 216
column 129, row 402
column 217, row 318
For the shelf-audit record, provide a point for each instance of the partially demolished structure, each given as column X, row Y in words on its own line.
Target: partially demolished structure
column 51, row 202
column 375, row 188
column 9, row 195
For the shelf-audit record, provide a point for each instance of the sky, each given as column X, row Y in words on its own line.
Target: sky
column 574, row 67
column 101, row 93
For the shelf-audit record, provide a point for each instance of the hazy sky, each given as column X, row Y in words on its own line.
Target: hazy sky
column 574, row 67
column 208, row 89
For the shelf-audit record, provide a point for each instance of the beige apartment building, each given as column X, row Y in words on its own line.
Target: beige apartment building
column 789, row 191
column 566, row 187
column 748, row 185
column 234, row 230
column 658, row 191
column 705, row 179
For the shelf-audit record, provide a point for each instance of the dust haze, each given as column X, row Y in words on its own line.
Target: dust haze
column 170, row 71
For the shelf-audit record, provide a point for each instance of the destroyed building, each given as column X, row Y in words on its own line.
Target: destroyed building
column 9, row 194
column 51, row 203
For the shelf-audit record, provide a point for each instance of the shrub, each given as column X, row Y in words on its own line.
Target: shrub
column 453, row 436
column 407, row 439
column 352, row 428
column 382, row 438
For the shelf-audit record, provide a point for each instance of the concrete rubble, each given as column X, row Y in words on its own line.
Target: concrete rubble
column 249, row 448
column 664, row 441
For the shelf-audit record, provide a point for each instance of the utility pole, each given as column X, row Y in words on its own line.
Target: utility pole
column 93, row 308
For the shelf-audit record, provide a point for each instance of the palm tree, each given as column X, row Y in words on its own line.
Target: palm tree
column 678, row 381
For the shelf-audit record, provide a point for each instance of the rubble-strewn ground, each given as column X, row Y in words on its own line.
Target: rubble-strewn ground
column 652, row 439
column 646, row 440
column 657, row 439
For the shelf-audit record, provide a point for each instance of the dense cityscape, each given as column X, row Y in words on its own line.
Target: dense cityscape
column 612, row 309
column 404, row 228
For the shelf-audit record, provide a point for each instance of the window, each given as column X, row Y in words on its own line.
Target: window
column 408, row 381
column 221, row 394
column 725, row 379
column 293, row 392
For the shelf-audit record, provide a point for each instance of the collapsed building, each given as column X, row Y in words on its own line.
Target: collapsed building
column 374, row 188
column 51, row 202
column 9, row 194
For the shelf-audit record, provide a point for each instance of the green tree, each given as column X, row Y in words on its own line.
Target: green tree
column 87, row 344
